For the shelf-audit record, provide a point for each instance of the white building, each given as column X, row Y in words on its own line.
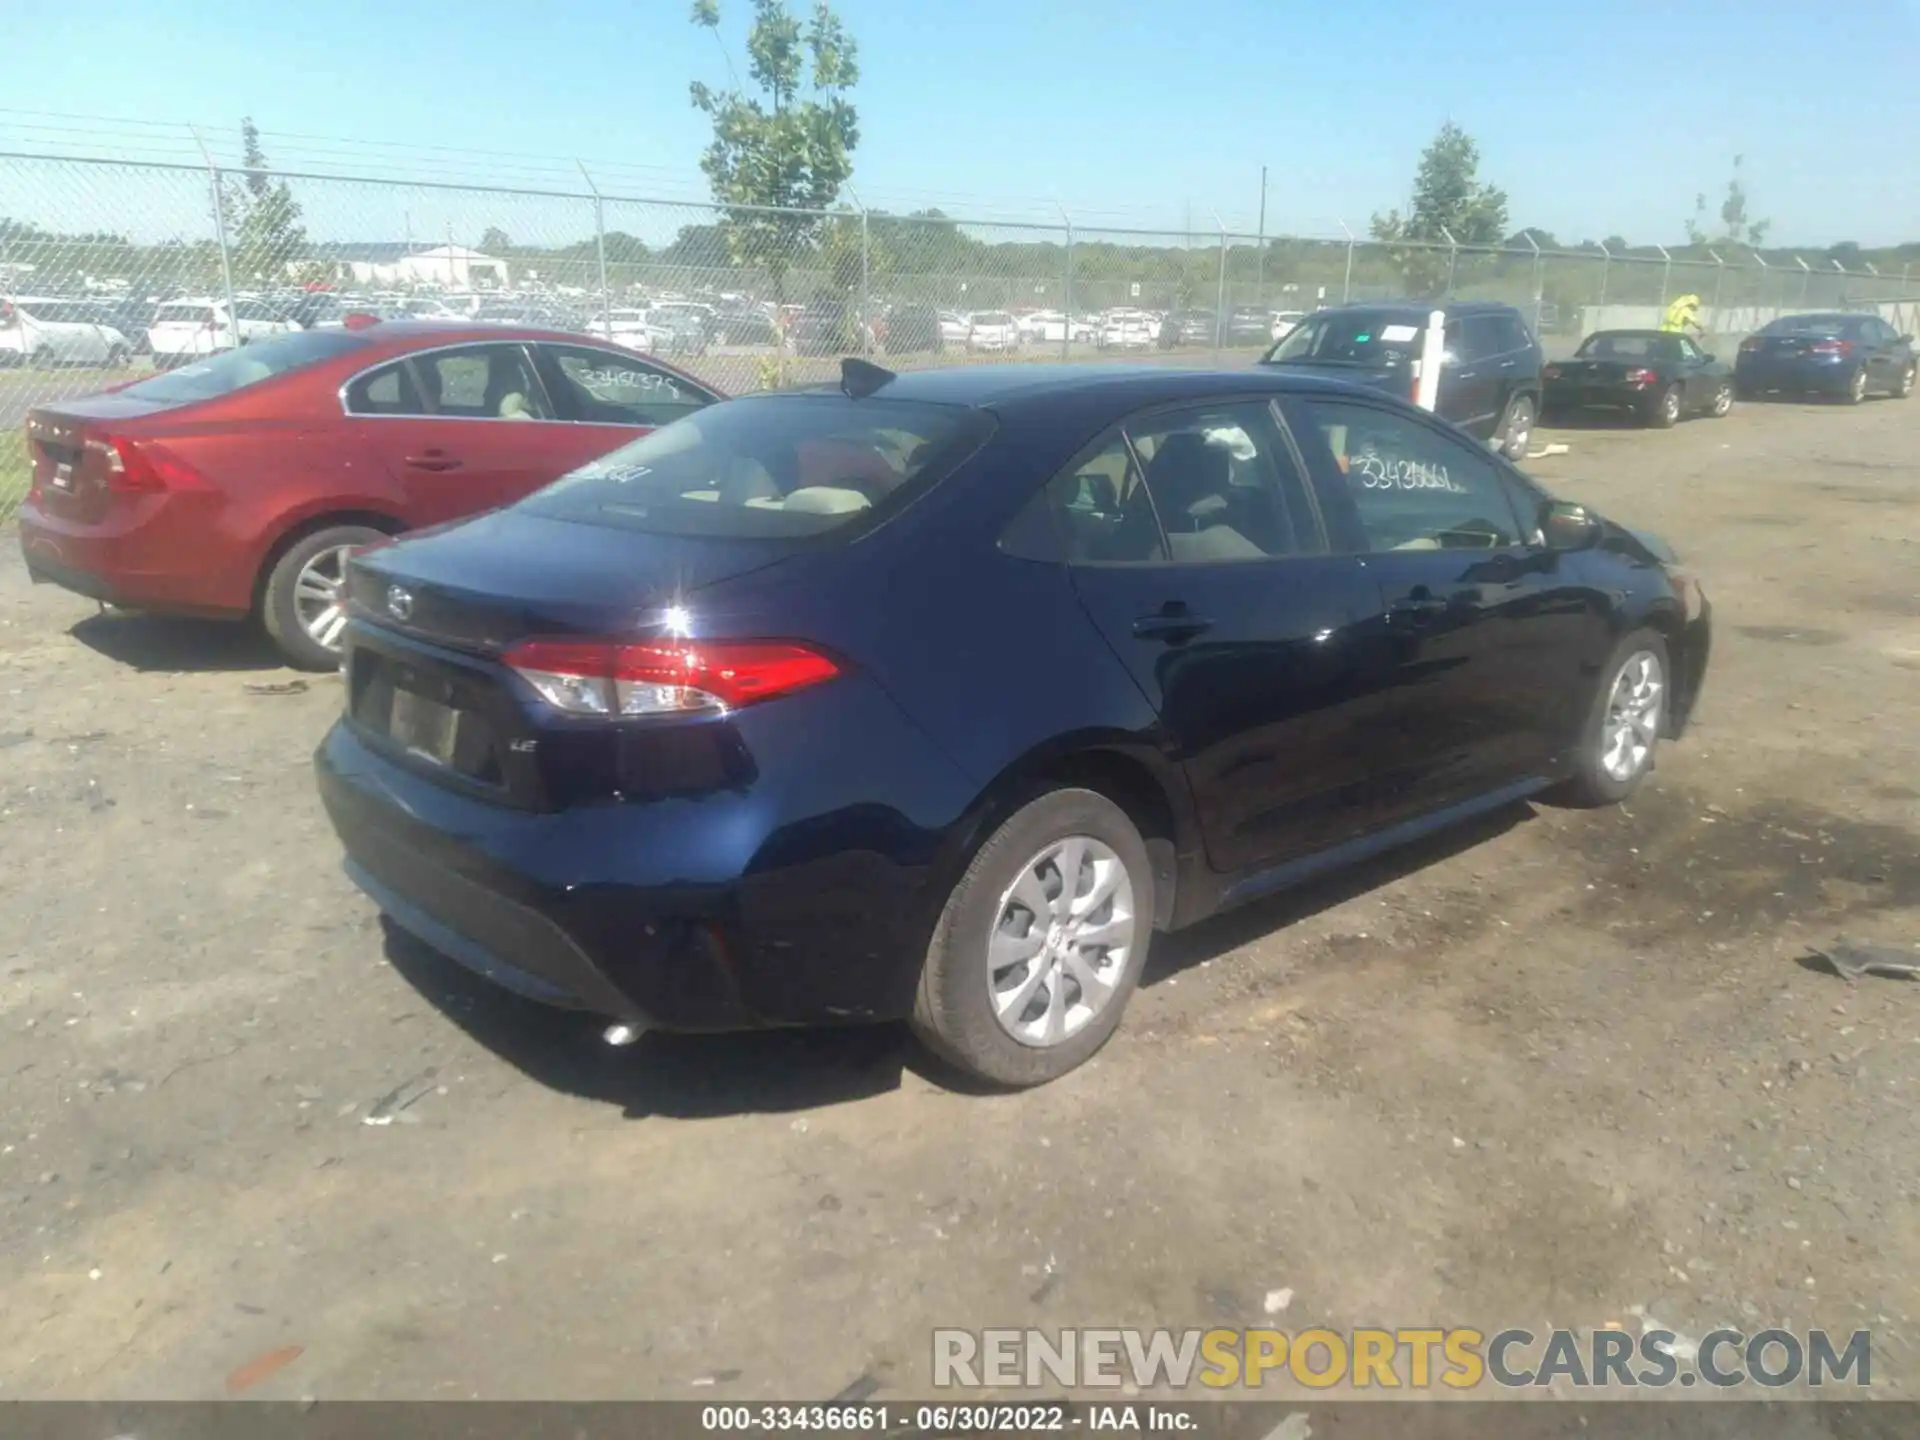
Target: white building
column 450, row 267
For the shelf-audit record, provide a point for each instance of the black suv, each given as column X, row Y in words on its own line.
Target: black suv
column 1489, row 382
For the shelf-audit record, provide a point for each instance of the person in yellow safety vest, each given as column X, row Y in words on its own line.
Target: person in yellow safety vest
column 1683, row 315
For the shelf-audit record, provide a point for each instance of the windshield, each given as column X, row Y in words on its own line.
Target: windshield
column 1807, row 325
column 177, row 313
column 779, row 467
column 1350, row 337
column 232, row 370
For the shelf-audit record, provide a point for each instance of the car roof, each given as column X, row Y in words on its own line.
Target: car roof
column 1425, row 308
column 1644, row 333
column 1129, row 386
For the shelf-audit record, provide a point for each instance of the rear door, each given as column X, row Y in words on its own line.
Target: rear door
column 1489, row 629
column 1881, row 343
column 1195, row 546
column 1470, row 377
column 462, row 429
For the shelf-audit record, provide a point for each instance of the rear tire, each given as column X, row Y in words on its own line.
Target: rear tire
column 1856, row 390
column 293, row 605
column 1516, row 428
column 1616, row 748
column 1664, row 413
column 1015, row 955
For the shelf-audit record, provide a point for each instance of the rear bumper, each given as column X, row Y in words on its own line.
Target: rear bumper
column 1567, row 395
column 1826, row 377
column 130, row 561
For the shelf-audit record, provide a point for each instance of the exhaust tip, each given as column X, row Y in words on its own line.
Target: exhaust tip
column 621, row 1035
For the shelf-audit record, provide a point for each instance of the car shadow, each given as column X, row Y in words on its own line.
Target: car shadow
column 1212, row 938
column 1592, row 420
column 170, row 643
column 685, row 1077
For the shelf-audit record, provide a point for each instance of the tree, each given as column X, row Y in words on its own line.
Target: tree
column 1450, row 206
column 789, row 145
column 1736, row 226
column 270, row 234
column 495, row 241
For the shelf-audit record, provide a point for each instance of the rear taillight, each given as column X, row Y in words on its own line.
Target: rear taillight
column 136, row 469
column 1750, row 345
column 1641, row 377
column 1833, row 347
column 614, row 678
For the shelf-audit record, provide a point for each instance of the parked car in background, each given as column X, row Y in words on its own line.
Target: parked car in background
column 184, row 330
column 236, row 485
column 1188, row 327
column 1129, row 330
column 1490, row 380
column 1248, row 326
column 1842, row 354
column 130, row 317
column 677, row 330
column 1051, row 327
column 45, row 331
column 629, row 327
column 992, row 330
column 953, row 327
column 910, row 330
column 826, row 327
column 1655, row 376
column 742, row 325
column 714, row 733
column 1283, row 322
column 521, row 313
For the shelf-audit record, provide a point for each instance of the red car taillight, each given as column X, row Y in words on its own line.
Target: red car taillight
column 615, row 678
column 1833, row 347
column 136, row 469
column 1641, row 377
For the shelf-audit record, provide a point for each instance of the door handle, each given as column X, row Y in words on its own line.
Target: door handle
column 1174, row 623
column 433, row 460
column 1418, row 604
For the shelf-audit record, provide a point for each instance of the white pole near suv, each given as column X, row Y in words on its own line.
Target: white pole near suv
column 183, row 329
column 56, row 332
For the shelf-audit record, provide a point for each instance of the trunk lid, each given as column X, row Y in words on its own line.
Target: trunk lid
column 484, row 583
column 69, row 450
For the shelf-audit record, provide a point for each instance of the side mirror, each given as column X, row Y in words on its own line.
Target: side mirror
column 1567, row 526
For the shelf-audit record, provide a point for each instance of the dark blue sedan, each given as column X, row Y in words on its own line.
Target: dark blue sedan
column 1843, row 355
column 935, row 696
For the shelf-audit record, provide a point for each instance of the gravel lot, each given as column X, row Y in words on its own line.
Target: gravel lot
column 1538, row 1073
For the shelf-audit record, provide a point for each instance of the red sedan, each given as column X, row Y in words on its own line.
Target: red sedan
column 239, row 485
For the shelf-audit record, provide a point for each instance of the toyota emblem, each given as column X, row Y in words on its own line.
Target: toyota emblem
column 399, row 603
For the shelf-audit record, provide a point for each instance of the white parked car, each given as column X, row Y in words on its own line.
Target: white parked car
column 1129, row 330
column 628, row 327
column 992, row 330
column 1050, row 327
column 953, row 328
column 1284, row 321
column 183, row 329
column 57, row 332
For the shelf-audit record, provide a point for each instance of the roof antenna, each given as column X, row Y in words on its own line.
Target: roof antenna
column 859, row 378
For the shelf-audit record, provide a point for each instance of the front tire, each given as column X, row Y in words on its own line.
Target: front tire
column 1040, row 944
column 1516, row 428
column 1622, row 730
column 304, row 604
column 1903, row 387
column 1722, row 401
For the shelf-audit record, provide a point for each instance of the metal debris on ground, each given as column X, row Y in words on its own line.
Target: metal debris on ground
column 396, row 1101
column 275, row 687
column 1851, row 962
column 1556, row 448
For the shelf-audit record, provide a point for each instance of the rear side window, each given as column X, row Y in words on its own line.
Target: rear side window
column 387, row 391
column 779, row 467
column 231, row 370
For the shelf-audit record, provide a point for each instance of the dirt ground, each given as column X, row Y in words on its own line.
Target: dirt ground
column 1543, row 1072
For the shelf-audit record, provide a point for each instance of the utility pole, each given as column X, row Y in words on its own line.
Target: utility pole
column 1260, row 283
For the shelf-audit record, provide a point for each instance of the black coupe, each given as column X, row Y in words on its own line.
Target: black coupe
column 1653, row 375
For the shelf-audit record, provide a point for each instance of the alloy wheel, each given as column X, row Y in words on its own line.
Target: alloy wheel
column 1061, row 941
column 1857, row 386
column 319, row 596
column 1519, row 429
column 1906, row 382
column 1670, row 405
column 1632, row 723
column 1723, row 400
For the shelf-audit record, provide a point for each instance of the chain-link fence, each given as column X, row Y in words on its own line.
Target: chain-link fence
column 109, row 268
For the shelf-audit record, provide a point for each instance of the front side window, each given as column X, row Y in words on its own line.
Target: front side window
column 602, row 388
column 1688, row 350
column 1414, row 487
column 769, row 468
column 481, row 382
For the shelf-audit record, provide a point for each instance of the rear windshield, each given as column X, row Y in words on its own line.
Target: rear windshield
column 1630, row 347
column 1808, row 325
column 195, row 313
column 1351, row 337
column 993, row 317
column 778, row 467
column 231, row 370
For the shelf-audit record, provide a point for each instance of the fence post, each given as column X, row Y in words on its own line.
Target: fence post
column 1719, row 274
column 1346, row 283
column 1066, row 292
column 866, row 280
column 1606, row 264
column 1453, row 258
column 1220, row 304
column 1260, row 244
column 1539, row 281
column 220, row 236
column 1806, row 277
column 1765, row 285
column 600, row 248
column 1666, row 278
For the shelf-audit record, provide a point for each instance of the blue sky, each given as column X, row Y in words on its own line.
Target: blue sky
column 1596, row 118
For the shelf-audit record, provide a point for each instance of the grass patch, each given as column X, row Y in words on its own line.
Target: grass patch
column 15, row 471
